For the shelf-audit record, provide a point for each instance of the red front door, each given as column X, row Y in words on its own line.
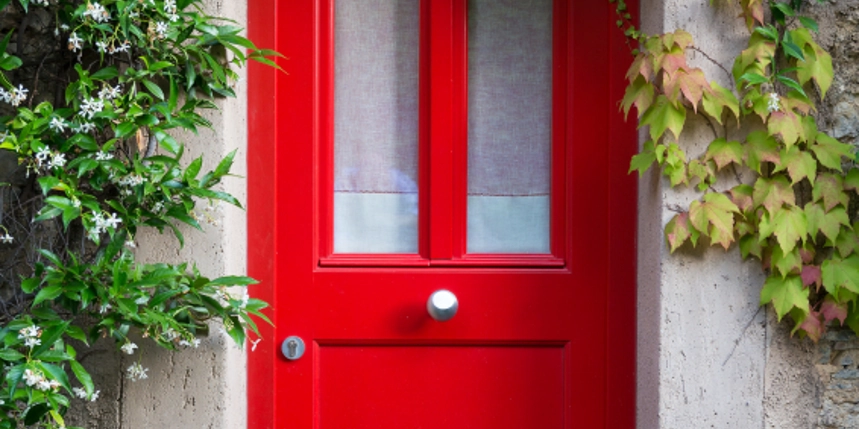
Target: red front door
column 390, row 161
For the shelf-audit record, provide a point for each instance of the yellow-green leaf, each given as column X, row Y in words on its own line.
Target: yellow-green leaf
column 787, row 124
column 830, row 189
column 761, row 147
column 715, row 217
column 799, row 164
column 679, row 230
column 785, row 294
column 841, row 273
column 829, row 151
column 638, row 93
column 724, row 152
column 664, row 115
column 788, row 224
column 786, row 263
column 773, row 193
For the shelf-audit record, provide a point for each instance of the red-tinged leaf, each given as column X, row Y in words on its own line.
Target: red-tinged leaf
column 851, row 182
column 724, row 152
column 811, row 276
column 773, row 193
column 674, row 61
column 715, row 217
column 678, row 230
column 704, row 172
column 640, row 67
column 832, row 310
column 788, row 224
column 841, row 273
column 693, row 84
column 664, row 115
column 760, row 148
column 830, row 189
column 830, row 151
column 683, row 39
column 741, row 195
column 807, row 254
column 785, row 294
column 756, row 57
column 786, row 263
column 640, row 94
column 812, row 327
column 753, row 10
column 786, row 124
column 750, row 245
column 799, row 164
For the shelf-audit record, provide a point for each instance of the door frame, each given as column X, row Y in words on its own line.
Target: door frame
column 269, row 236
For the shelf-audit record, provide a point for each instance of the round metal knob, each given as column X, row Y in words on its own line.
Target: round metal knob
column 442, row 305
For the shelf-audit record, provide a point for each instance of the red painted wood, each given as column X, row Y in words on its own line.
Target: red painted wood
column 347, row 313
column 444, row 391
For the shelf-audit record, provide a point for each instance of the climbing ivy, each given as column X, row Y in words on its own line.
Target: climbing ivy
column 795, row 215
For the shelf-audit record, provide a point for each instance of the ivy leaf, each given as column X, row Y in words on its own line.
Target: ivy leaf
column 750, row 245
column 641, row 66
column 693, row 85
column 773, row 193
column 717, row 99
column 827, row 222
column 678, row 230
column 638, row 93
column 847, row 241
column 841, row 273
column 811, row 326
column 829, row 151
column 715, row 218
column 799, row 163
column 761, row 147
column 830, row 189
column 832, row 310
column 851, row 181
column 643, row 160
column 817, row 64
column 786, row 263
column 741, row 195
column 785, row 294
column 724, row 152
column 788, row 224
column 787, row 124
column 664, row 115
column 811, row 276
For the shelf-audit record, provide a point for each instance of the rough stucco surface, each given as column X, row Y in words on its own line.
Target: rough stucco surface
column 192, row 388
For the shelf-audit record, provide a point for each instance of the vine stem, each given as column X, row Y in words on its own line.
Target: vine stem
column 718, row 64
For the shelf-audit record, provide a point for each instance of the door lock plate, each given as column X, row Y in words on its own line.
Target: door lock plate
column 292, row 347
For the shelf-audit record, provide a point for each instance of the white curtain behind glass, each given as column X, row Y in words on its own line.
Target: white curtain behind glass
column 509, row 125
column 376, row 126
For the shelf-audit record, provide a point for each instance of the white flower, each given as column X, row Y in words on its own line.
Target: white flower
column 53, row 384
column 254, row 344
column 57, row 160
column 101, row 46
column 32, row 342
column 773, row 104
column 103, row 156
column 6, row 239
column 76, row 203
column 64, row 27
column 90, row 107
column 173, row 17
column 161, row 28
column 31, row 378
column 3, row 136
column 195, row 343
column 157, row 207
column 95, row 395
column 170, row 334
column 104, row 308
column 40, row 2
column 79, row 392
column 170, row 6
column 42, row 155
column 112, row 221
column 130, row 244
column 85, row 127
column 16, row 96
column 97, row 12
column 29, row 332
column 128, row 348
column 57, row 124
column 43, row 384
column 137, row 372
column 75, row 42
column 110, row 92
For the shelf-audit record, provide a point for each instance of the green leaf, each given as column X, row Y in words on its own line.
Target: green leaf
column 35, row 413
column 30, row 284
column 785, row 294
column 787, row 124
column 808, row 23
column 827, row 222
column 830, row 151
column 193, row 169
column 233, row 281
column 48, row 293
column 225, row 165
column 642, row 161
column 153, row 88
column 792, row 84
column 56, row 373
column 799, row 163
column 753, row 78
column 760, row 148
column 664, row 115
column 106, row 73
column 724, row 152
column 83, row 376
column 788, row 224
column 786, row 263
column 841, row 273
column 639, row 93
column 10, row 355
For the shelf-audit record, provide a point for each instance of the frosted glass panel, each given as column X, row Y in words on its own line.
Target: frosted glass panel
column 509, row 125
column 376, row 126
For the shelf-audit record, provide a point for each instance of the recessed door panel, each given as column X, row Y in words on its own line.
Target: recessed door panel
column 440, row 386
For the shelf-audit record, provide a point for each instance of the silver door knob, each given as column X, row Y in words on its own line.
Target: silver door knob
column 442, row 305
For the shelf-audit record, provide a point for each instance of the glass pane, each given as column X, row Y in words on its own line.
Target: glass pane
column 509, row 125
column 376, row 126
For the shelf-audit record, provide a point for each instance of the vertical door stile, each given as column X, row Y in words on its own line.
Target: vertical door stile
column 424, row 125
column 561, row 72
column 324, row 127
column 460, row 126
column 442, row 125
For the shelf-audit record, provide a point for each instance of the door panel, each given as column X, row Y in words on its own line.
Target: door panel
column 532, row 339
column 441, row 387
